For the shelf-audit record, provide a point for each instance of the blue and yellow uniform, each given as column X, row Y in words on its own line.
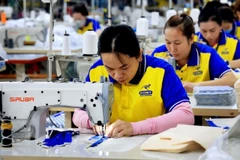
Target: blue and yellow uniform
column 204, row 63
column 235, row 29
column 90, row 24
column 228, row 47
column 144, row 96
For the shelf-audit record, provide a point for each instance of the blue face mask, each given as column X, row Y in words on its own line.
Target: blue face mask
column 79, row 24
column 228, row 31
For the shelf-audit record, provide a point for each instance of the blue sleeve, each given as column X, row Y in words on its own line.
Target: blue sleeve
column 97, row 63
column 96, row 26
column 217, row 66
column 173, row 92
column 237, row 52
column 155, row 50
column 87, row 78
column 161, row 48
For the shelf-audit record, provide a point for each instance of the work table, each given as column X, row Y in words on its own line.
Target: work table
column 129, row 148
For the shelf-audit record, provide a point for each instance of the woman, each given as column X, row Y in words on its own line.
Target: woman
column 211, row 33
column 196, row 64
column 81, row 22
column 229, row 25
column 148, row 96
column 237, row 9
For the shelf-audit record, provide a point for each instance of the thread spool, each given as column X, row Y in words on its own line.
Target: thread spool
column 194, row 13
column 170, row 13
column 32, row 15
column 154, row 18
column 224, row 1
column 142, row 26
column 66, row 44
column 6, row 128
column 3, row 18
column 237, row 92
column 90, row 41
column 138, row 3
column 10, row 43
column 123, row 21
column 6, row 38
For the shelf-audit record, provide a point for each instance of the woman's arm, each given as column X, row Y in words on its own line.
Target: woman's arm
column 235, row 63
column 228, row 79
column 181, row 114
column 80, row 119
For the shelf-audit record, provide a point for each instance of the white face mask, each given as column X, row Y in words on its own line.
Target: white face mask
column 79, row 24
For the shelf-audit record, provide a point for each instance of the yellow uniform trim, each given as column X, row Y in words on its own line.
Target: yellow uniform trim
column 86, row 28
column 163, row 55
column 238, row 32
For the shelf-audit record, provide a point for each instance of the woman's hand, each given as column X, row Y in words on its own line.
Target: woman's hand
column 119, row 129
column 98, row 129
column 188, row 86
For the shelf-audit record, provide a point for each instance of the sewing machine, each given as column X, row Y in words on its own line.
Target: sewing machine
column 8, row 10
column 20, row 35
column 27, row 103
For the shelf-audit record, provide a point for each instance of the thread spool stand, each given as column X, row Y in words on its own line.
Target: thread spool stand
column 6, row 131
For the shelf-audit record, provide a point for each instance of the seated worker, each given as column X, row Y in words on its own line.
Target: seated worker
column 81, row 22
column 229, row 25
column 196, row 64
column 148, row 96
column 211, row 33
column 236, row 7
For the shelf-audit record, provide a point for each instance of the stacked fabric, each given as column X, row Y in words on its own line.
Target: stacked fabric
column 214, row 95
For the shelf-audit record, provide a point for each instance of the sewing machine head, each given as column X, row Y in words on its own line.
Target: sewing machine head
column 22, row 34
column 28, row 103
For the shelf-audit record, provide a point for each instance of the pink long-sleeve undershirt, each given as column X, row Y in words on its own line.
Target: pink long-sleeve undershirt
column 181, row 114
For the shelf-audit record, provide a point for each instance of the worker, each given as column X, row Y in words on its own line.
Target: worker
column 81, row 22
column 237, row 9
column 229, row 25
column 196, row 64
column 211, row 33
column 148, row 96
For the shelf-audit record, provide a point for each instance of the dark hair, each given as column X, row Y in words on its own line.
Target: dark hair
column 226, row 14
column 119, row 39
column 214, row 4
column 80, row 8
column 237, row 5
column 210, row 13
column 182, row 22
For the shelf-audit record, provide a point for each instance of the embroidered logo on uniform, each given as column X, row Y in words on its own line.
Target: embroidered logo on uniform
column 198, row 67
column 225, row 51
column 146, row 90
column 198, row 71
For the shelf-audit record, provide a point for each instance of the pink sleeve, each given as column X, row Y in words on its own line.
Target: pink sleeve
column 181, row 114
column 80, row 119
